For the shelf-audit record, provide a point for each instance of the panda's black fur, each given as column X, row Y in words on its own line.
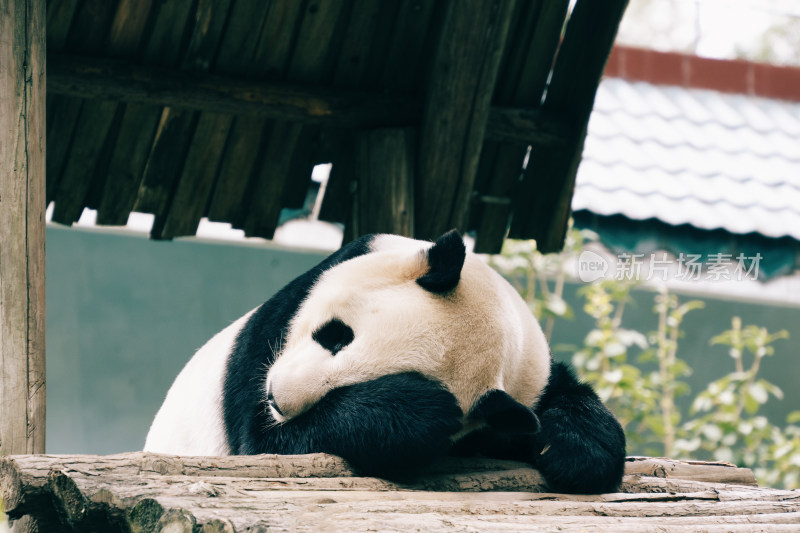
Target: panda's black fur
column 390, row 425
column 579, row 447
column 246, row 420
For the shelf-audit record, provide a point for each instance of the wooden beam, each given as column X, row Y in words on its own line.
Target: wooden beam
column 385, row 174
column 542, row 207
column 22, row 226
column 521, row 83
column 93, row 78
column 465, row 63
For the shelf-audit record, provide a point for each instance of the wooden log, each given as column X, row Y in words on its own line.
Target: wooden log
column 22, row 227
column 692, row 470
column 92, row 78
column 151, row 492
column 466, row 59
column 385, row 173
column 542, row 207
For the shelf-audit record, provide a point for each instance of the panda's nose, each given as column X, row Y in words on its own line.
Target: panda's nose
column 271, row 400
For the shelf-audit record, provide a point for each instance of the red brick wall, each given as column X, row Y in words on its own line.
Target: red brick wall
column 731, row 76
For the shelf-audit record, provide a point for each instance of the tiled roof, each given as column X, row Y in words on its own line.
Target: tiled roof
column 680, row 155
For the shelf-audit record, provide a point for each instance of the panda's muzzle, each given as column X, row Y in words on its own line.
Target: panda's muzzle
column 271, row 401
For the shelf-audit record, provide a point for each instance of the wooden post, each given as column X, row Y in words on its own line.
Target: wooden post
column 22, row 226
column 464, row 70
column 542, row 203
column 385, row 174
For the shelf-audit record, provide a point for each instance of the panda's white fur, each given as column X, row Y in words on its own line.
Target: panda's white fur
column 440, row 349
column 482, row 337
column 189, row 421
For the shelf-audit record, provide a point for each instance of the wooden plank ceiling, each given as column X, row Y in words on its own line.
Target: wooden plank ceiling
column 427, row 109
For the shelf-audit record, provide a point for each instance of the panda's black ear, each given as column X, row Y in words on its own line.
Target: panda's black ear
column 505, row 414
column 446, row 259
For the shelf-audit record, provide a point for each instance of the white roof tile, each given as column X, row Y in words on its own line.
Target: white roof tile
column 689, row 156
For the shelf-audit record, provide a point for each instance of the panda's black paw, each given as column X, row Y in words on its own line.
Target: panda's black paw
column 576, row 461
column 389, row 427
column 581, row 446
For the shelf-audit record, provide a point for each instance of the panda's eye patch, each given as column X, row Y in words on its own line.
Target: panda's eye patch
column 333, row 335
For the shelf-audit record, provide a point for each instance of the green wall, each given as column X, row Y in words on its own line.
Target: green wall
column 708, row 362
column 125, row 313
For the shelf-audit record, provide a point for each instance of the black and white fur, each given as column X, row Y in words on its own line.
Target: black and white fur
column 390, row 353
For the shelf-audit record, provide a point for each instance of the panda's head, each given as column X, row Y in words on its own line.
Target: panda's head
column 410, row 306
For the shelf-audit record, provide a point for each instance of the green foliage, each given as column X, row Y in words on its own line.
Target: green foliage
column 529, row 272
column 640, row 376
column 726, row 423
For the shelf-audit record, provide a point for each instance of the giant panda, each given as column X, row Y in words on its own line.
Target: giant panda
column 393, row 352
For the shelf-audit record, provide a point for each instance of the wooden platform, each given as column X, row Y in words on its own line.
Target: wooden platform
column 141, row 492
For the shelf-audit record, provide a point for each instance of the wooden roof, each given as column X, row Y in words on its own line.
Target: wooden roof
column 221, row 108
column 150, row 492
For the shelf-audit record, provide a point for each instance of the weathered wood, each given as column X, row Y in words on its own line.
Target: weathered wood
column 521, row 83
column 62, row 118
column 697, row 470
column 174, row 22
column 337, row 204
column 362, row 62
column 265, row 200
column 22, row 226
column 151, row 492
column 167, row 155
column 305, row 103
column 466, row 59
column 75, row 175
column 402, row 67
column 91, row 130
column 127, row 162
column 282, row 176
column 83, row 29
column 542, row 207
column 59, row 19
column 195, row 180
column 238, row 164
column 131, row 139
column 385, row 172
column 366, row 30
column 249, row 133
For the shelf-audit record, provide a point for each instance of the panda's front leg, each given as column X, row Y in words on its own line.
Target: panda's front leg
column 580, row 447
column 570, row 436
column 388, row 427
